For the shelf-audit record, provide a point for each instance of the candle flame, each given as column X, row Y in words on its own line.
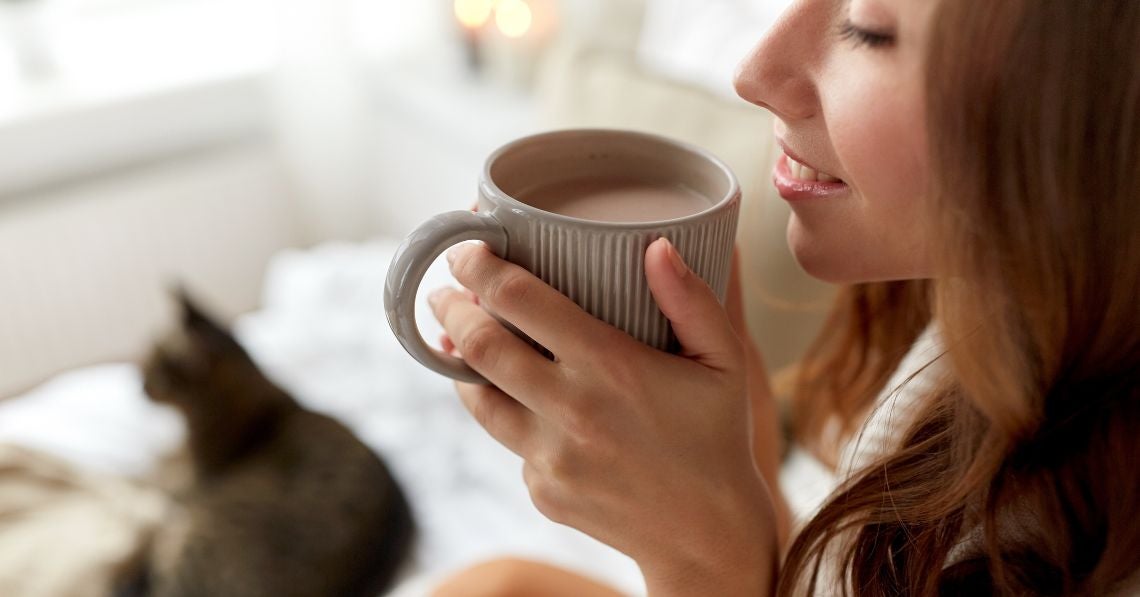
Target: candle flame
column 513, row 17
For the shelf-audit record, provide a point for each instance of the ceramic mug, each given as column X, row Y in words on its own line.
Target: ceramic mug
column 598, row 261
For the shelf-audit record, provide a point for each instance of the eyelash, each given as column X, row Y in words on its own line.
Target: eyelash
column 862, row 37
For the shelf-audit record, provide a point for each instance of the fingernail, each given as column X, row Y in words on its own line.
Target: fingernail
column 452, row 255
column 676, row 261
column 434, row 296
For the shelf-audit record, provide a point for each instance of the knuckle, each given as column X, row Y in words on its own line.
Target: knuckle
column 512, row 289
column 589, row 446
column 581, row 428
column 482, row 344
column 546, row 497
column 613, row 345
column 563, row 462
column 594, row 443
column 466, row 266
column 484, row 408
column 626, row 376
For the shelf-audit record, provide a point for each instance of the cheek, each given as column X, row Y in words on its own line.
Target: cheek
column 878, row 135
column 879, row 138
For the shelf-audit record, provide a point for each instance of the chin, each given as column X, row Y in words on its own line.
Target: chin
column 813, row 258
column 824, row 256
column 836, row 259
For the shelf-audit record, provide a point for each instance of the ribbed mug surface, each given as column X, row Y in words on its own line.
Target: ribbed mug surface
column 603, row 269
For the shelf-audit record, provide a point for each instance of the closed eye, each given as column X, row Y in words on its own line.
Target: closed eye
column 865, row 37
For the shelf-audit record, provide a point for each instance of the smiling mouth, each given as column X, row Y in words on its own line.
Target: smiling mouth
column 804, row 173
column 796, row 181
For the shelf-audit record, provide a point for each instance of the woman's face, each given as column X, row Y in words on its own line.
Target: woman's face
column 845, row 80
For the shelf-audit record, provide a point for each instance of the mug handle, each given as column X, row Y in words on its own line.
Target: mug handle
column 411, row 262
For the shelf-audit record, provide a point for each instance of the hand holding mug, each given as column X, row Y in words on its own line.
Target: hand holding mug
column 610, row 251
column 646, row 451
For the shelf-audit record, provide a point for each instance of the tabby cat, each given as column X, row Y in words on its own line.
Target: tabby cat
column 284, row 502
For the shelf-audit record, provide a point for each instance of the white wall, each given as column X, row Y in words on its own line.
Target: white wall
column 83, row 268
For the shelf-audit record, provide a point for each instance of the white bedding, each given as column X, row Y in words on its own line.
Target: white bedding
column 322, row 334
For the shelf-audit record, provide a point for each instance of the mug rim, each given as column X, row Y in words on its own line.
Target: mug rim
column 488, row 185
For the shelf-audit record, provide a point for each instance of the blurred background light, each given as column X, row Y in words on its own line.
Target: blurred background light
column 473, row 13
column 513, row 17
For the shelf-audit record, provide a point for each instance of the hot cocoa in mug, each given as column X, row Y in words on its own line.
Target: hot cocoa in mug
column 615, row 200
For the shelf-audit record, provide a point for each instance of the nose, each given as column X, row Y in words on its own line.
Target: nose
column 778, row 74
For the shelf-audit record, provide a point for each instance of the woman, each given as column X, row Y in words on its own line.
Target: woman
column 965, row 167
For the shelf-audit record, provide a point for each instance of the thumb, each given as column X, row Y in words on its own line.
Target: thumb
column 700, row 322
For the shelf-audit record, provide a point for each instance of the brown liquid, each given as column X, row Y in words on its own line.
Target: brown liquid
column 615, row 200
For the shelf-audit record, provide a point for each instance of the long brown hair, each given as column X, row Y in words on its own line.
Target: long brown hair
column 1021, row 474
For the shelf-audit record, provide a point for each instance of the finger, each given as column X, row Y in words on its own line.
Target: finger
column 446, row 345
column 489, row 348
column 698, row 319
column 540, row 311
column 735, row 300
column 504, row 418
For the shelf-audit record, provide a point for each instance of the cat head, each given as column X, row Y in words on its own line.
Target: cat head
column 197, row 359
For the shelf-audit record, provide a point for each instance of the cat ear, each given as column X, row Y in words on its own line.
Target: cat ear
column 203, row 329
column 191, row 315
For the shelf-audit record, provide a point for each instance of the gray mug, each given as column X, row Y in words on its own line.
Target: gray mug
column 595, row 261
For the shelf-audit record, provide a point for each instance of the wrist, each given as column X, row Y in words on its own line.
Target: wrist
column 740, row 557
column 746, row 575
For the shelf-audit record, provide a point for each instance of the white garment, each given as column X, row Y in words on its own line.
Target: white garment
column 807, row 482
column 917, row 375
column 893, row 412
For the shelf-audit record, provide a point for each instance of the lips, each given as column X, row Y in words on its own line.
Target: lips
column 796, row 181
